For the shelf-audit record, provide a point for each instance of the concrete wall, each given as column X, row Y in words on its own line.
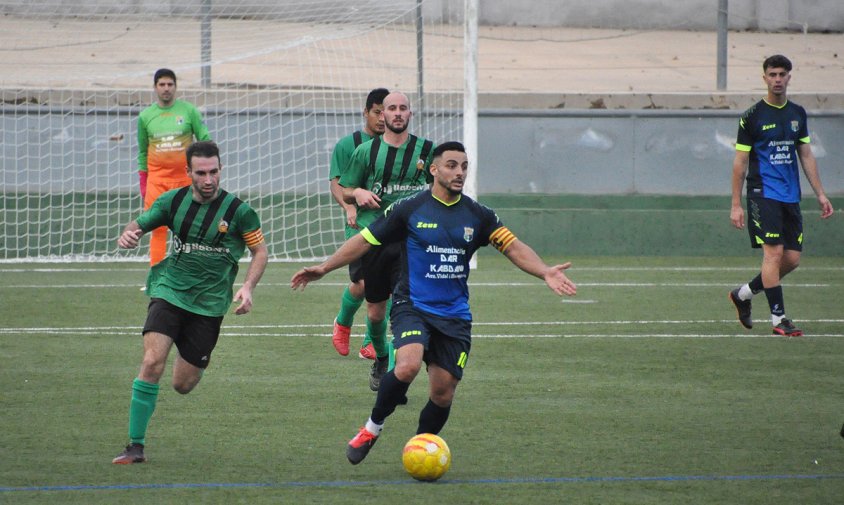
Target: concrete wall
column 521, row 152
column 770, row 15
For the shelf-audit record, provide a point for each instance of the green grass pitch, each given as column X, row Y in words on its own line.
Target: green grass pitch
column 643, row 389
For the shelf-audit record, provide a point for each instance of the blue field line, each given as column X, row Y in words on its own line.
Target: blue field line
column 524, row 480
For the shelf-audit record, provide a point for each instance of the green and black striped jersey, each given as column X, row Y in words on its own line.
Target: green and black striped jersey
column 390, row 172
column 208, row 241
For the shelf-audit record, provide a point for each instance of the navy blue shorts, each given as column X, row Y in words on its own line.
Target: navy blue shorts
column 447, row 341
column 195, row 335
column 774, row 223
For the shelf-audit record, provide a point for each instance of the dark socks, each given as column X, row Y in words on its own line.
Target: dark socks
column 391, row 393
column 775, row 300
column 756, row 284
column 432, row 418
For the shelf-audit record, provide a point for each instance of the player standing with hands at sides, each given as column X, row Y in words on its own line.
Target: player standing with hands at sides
column 772, row 135
column 191, row 289
column 165, row 130
column 353, row 296
column 381, row 172
column 438, row 231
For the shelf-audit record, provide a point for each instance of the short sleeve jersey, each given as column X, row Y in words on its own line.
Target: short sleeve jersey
column 771, row 135
column 437, row 241
column 390, row 172
column 209, row 240
column 340, row 160
column 164, row 135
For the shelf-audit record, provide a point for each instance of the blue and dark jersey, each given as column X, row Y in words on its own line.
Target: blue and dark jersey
column 437, row 241
column 771, row 135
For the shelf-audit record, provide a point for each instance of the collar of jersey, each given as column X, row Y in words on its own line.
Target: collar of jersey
column 446, row 203
column 776, row 106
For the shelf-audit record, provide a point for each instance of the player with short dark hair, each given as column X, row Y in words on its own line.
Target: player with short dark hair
column 438, row 230
column 773, row 134
column 353, row 295
column 165, row 130
column 191, row 289
column 380, row 172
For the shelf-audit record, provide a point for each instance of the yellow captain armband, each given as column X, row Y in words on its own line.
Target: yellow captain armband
column 367, row 235
column 253, row 238
column 744, row 148
column 501, row 238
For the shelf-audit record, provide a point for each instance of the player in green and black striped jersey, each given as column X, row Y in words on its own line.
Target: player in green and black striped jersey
column 380, row 172
column 353, row 295
column 191, row 289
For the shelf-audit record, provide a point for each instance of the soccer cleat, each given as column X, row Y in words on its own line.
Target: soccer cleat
column 359, row 447
column 742, row 308
column 133, row 453
column 379, row 368
column 340, row 338
column 367, row 352
column 787, row 329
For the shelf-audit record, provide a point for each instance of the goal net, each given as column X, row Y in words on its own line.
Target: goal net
column 278, row 83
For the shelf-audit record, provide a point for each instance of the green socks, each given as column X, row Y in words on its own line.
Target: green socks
column 144, row 396
column 378, row 334
column 349, row 305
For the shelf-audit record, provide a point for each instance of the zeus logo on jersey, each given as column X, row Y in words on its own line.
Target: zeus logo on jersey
column 766, row 127
column 421, row 224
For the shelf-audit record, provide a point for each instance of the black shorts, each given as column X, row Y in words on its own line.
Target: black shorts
column 774, row 223
column 447, row 341
column 194, row 335
column 356, row 270
column 381, row 269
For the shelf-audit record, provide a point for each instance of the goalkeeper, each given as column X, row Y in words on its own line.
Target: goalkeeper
column 165, row 130
column 353, row 296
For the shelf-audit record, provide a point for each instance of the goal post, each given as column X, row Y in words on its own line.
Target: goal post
column 278, row 82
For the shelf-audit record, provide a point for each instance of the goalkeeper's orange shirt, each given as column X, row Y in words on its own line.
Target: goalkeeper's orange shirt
column 164, row 135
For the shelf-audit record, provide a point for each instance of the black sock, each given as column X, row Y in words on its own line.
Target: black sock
column 391, row 393
column 775, row 300
column 756, row 284
column 432, row 418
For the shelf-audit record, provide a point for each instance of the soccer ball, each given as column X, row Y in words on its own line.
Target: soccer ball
column 426, row 457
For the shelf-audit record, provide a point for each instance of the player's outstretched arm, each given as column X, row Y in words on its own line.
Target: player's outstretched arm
column 351, row 250
column 260, row 256
column 130, row 237
column 524, row 257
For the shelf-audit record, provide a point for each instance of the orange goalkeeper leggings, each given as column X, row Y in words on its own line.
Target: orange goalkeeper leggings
column 158, row 237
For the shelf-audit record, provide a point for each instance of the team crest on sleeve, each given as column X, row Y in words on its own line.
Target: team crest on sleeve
column 468, row 233
column 223, row 226
column 795, row 126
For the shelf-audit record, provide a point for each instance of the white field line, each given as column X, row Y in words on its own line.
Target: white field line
column 40, row 269
column 295, row 330
column 471, row 284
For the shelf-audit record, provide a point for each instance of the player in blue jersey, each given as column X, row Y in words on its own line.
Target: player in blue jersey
column 438, row 229
column 772, row 136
